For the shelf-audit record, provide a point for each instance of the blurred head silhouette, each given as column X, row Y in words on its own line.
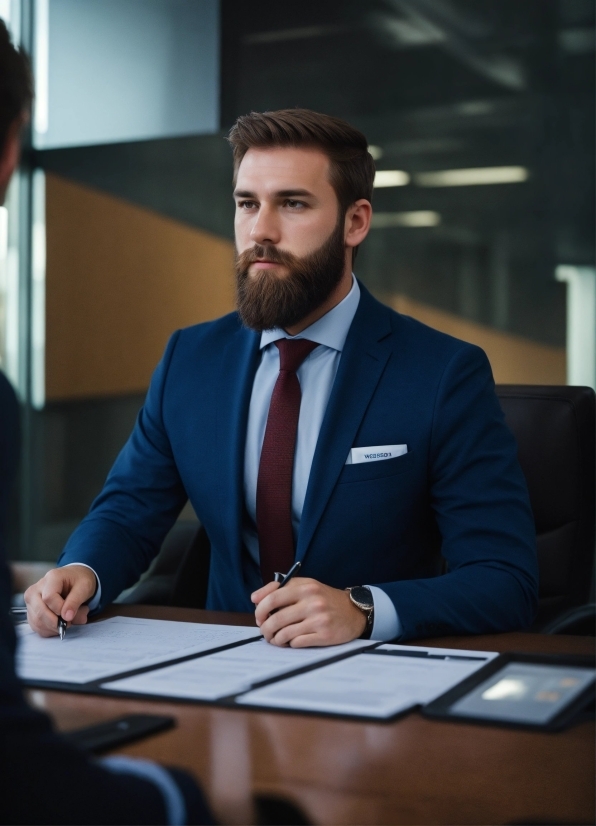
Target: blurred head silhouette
column 16, row 94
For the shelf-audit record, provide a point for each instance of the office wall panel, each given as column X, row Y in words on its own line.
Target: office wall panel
column 188, row 179
column 120, row 279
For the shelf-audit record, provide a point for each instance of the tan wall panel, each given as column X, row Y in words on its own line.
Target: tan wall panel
column 514, row 359
column 120, row 280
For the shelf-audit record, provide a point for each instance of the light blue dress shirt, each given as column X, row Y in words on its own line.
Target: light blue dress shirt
column 316, row 375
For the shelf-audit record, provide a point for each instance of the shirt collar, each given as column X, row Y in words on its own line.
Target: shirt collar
column 330, row 330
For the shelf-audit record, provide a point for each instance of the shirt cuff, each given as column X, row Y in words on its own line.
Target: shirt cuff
column 386, row 624
column 146, row 770
column 94, row 602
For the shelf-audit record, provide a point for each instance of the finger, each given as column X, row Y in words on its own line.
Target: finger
column 289, row 615
column 306, row 591
column 290, row 632
column 306, row 641
column 273, row 602
column 258, row 595
column 39, row 616
column 80, row 592
column 80, row 618
column 52, row 600
column 316, row 624
column 51, row 592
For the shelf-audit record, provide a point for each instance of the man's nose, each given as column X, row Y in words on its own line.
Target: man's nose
column 265, row 229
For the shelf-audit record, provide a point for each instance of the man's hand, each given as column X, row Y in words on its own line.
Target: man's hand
column 305, row 612
column 61, row 592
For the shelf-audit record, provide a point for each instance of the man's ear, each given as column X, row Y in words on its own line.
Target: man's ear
column 10, row 153
column 358, row 219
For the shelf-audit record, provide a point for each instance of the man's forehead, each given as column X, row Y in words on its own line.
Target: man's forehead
column 283, row 167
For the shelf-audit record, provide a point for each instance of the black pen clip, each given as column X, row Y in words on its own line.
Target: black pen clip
column 283, row 578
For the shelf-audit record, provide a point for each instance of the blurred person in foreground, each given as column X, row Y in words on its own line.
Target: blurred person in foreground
column 315, row 425
column 43, row 779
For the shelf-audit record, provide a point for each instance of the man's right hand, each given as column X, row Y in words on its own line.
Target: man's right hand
column 61, row 592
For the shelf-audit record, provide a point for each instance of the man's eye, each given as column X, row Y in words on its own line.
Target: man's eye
column 246, row 204
column 294, row 204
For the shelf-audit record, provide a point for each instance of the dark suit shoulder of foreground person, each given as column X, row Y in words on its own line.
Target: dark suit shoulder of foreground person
column 9, row 444
column 43, row 779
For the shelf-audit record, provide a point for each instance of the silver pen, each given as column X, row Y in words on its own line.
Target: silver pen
column 61, row 628
column 283, row 578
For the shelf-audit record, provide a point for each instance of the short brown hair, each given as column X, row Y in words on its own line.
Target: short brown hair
column 352, row 169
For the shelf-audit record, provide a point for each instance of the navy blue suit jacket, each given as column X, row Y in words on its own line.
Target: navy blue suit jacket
column 458, row 494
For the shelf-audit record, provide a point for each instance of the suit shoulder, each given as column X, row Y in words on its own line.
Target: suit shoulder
column 9, row 409
column 7, row 394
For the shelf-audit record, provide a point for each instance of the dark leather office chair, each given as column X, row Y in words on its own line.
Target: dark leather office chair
column 179, row 574
column 554, row 428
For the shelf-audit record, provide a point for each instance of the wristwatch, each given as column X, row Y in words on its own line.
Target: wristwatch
column 362, row 598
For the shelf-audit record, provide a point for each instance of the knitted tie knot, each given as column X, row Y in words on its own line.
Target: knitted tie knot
column 292, row 352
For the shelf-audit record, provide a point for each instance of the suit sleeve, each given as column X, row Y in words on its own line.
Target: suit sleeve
column 9, row 447
column 139, row 503
column 482, row 509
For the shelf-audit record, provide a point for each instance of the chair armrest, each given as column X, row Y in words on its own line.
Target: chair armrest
column 580, row 621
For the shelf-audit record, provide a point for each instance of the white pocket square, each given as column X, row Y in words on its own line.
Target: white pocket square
column 378, row 453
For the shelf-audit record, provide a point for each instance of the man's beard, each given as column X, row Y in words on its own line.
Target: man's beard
column 267, row 300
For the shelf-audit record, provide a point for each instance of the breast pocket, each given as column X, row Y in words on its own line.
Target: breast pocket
column 365, row 471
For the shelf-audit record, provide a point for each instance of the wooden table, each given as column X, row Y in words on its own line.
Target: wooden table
column 409, row 771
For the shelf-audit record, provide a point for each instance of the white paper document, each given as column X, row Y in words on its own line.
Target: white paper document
column 214, row 676
column 375, row 685
column 116, row 645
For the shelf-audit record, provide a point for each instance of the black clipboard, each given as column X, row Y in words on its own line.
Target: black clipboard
column 467, row 702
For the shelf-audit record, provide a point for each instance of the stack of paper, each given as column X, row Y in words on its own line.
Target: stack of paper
column 378, row 684
column 116, row 646
column 229, row 672
column 192, row 661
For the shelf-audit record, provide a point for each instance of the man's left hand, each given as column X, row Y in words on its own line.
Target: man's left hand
column 305, row 612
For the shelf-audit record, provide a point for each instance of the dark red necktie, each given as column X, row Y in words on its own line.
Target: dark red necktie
column 274, row 483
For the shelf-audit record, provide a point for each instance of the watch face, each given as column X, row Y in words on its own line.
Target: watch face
column 362, row 596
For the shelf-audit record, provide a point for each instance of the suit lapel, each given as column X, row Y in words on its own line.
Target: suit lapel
column 239, row 364
column 365, row 354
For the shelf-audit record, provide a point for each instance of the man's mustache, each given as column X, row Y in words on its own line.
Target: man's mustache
column 267, row 253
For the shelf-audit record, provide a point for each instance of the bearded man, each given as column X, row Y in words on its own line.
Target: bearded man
column 315, row 425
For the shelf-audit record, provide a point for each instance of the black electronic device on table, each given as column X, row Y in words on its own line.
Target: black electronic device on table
column 544, row 692
column 114, row 733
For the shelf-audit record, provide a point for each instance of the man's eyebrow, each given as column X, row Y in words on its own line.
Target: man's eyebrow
column 291, row 193
column 282, row 193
